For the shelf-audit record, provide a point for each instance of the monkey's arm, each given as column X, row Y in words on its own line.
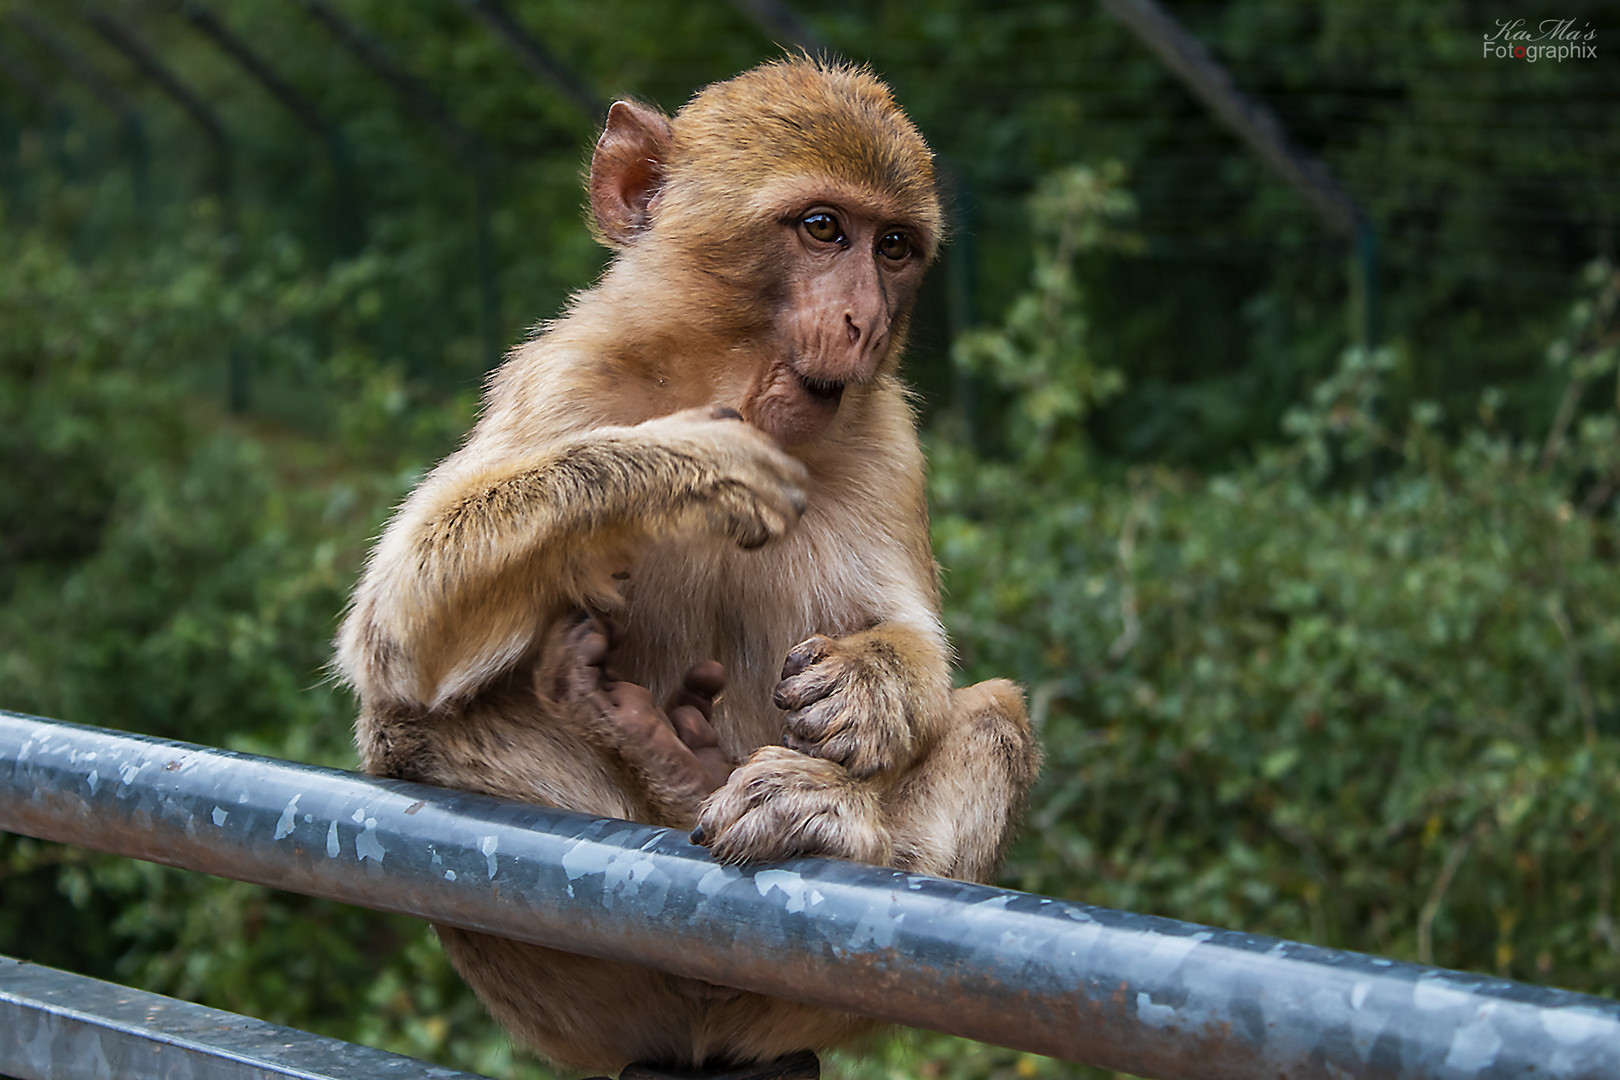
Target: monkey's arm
column 870, row 692
column 490, row 551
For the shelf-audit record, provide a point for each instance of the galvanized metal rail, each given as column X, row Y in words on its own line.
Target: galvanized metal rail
column 59, row 1026
column 1145, row 995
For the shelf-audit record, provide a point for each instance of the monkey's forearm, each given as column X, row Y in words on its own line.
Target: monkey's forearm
column 477, row 564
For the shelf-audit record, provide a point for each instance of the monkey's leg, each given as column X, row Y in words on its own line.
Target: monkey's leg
column 667, row 759
column 577, row 1010
column 953, row 814
column 950, row 813
column 673, row 759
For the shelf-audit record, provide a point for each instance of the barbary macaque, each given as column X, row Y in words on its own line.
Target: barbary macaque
column 680, row 571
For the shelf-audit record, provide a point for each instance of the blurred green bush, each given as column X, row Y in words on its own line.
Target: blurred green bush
column 1362, row 691
column 169, row 568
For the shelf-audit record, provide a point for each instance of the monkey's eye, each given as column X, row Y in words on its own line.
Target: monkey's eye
column 823, row 227
column 895, row 245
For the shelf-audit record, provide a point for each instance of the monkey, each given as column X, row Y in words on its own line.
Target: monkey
column 679, row 572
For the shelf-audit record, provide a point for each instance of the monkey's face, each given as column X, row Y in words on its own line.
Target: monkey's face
column 777, row 228
column 847, row 269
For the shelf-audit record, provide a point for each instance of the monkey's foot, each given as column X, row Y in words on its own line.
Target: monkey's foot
column 781, row 804
column 675, row 753
column 572, row 669
column 671, row 758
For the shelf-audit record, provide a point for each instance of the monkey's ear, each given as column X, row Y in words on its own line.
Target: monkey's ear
column 627, row 169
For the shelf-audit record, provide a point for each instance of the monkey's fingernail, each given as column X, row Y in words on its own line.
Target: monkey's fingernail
column 698, row 836
column 726, row 412
column 796, row 662
column 799, row 499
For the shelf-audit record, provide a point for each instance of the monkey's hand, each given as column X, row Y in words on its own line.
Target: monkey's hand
column 728, row 477
column 781, row 804
column 850, row 700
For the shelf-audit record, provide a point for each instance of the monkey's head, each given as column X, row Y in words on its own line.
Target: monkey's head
column 787, row 214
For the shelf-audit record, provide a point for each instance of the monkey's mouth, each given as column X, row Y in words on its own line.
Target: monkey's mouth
column 829, row 391
column 796, row 407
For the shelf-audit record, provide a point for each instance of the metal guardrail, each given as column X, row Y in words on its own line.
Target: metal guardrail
column 1140, row 994
column 59, row 1026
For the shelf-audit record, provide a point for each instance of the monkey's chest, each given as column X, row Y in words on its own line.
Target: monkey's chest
column 688, row 601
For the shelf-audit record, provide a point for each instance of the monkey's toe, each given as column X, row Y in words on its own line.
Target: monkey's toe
column 781, row 805
column 707, row 678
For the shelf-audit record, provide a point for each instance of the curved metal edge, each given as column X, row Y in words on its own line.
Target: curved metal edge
column 58, row 1026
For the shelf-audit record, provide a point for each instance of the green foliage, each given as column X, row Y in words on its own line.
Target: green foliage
column 1041, row 353
column 1364, row 691
column 171, row 569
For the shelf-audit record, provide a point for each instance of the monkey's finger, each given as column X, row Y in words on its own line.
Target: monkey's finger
column 699, row 749
column 580, row 633
column 707, row 678
column 760, row 452
column 611, row 624
column 785, row 499
column 841, row 749
column 699, row 414
column 583, row 649
column 752, row 517
column 789, row 476
column 593, row 648
column 820, row 720
column 714, row 765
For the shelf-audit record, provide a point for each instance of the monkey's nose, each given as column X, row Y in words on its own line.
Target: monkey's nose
column 854, row 331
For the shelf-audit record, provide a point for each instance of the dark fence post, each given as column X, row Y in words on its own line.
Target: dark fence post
column 537, row 58
column 20, row 73
column 425, row 105
column 349, row 225
column 86, row 72
column 146, row 61
column 1187, row 58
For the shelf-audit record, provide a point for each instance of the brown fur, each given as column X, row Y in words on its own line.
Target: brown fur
column 708, row 458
